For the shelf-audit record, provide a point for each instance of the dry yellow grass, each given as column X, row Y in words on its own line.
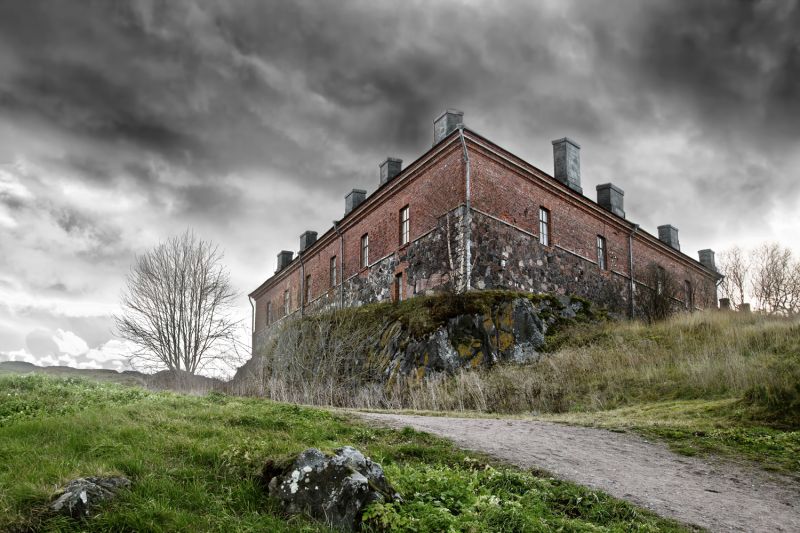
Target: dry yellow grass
column 699, row 356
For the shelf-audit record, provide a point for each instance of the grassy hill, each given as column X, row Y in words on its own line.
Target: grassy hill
column 194, row 463
column 723, row 383
column 707, row 382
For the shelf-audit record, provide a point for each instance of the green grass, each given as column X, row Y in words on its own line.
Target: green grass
column 194, row 463
column 702, row 427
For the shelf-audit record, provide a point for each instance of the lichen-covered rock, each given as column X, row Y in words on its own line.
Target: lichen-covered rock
column 528, row 330
column 81, row 495
column 512, row 331
column 333, row 489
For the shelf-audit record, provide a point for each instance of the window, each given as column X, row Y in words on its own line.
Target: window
column 602, row 258
column 544, row 226
column 661, row 275
column 687, row 289
column 398, row 287
column 365, row 250
column 404, row 226
column 333, row 271
column 308, row 289
column 269, row 313
column 287, row 301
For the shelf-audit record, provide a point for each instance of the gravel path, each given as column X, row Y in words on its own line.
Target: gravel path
column 717, row 496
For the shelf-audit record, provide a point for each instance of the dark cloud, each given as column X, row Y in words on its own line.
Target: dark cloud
column 734, row 63
column 83, row 101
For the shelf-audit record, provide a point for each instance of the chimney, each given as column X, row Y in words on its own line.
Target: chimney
column 390, row 168
column 611, row 198
column 567, row 163
column 707, row 259
column 669, row 235
column 354, row 199
column 447, row 123
column 307, row 239
column 284, row 258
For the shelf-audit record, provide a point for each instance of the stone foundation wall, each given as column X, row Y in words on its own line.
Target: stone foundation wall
column 505, row 257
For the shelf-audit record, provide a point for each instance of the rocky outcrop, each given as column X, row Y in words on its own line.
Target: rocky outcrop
column 333, row 489
column 512, row 331
column 421, row 336
column 81, row 495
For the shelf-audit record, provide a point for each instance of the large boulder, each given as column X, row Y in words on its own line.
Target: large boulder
column 81, row 495
column 511, row 331
column 335, row 489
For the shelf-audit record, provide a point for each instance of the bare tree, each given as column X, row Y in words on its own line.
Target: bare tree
column 658, row 297
column 776, row 280
column 736, row 267
column 178, row 306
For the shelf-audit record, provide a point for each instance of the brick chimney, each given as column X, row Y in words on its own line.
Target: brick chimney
column 307, row 239
column 611, row 198
column 707, row 259
column 353, row 199
column 669, row 234
column 446, row 123
column 284, row 258
column 567, row 163
column 390, row 168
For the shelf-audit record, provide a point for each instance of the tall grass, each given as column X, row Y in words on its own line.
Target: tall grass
column 699, row 356
column 708, row 355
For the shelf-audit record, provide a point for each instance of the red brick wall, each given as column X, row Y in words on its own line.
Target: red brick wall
column 429, row 188
column 514, row 195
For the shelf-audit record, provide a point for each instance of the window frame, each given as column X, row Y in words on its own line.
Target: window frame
column 405, row 225
column 307, row 289
column 545, row 226
column 287, row 302
column 688, row 291
column 333, row 273
column 602, row 252
column 364, row 250
column 269, row 313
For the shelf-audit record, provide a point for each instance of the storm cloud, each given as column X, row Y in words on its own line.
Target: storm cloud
column 122, row 123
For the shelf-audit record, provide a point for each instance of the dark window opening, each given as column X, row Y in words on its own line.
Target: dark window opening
column 602, row 255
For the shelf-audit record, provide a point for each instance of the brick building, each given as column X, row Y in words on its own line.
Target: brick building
column 470, row 215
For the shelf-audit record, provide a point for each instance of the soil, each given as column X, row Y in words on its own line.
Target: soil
column 710, row 493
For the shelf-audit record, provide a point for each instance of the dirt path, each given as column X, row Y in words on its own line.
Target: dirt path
column 717, row 496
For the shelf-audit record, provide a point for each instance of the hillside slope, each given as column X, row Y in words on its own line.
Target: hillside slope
column 194, row 463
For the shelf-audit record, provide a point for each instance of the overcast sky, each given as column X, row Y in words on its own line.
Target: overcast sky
column 123, row 123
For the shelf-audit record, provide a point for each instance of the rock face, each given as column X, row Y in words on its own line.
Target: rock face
column 333, row 489
column 81, row 495
column 514, row 330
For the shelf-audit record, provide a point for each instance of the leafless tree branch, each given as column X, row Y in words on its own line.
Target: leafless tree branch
column 177, row 307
